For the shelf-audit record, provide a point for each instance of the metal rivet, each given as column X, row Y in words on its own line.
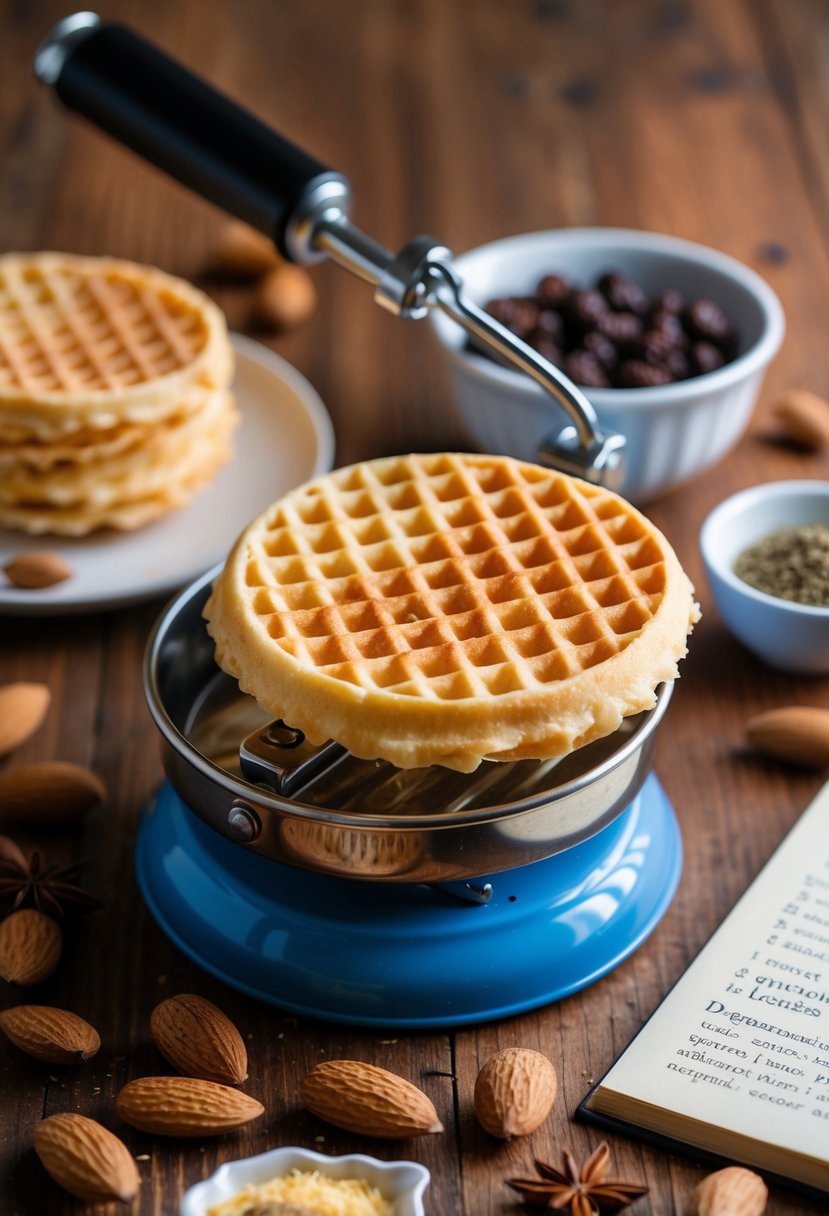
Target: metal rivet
column 243, row 822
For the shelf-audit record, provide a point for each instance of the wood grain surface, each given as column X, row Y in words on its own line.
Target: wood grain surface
column 468, row 119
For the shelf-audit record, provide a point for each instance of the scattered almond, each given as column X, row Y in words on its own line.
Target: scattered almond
column 368, row 1100
column 796, row 734
column 733, row 1191
column 22, row 710
column 86, row 1159
column 199, row 1040
column 185, row 1106
column 54, row 1035
column 30, row 946
column 12, row 853
column 243, row 252
column 54, row 791
column 285, row 298
column 514, row 1092
column 37, row 570
column 804, row 418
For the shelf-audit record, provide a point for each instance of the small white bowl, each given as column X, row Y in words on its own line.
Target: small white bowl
column 401, row 1182
column 673, row 431
column 787, row 635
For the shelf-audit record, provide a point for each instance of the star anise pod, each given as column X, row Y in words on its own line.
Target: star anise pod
column 584, row 1191
column 24, row 882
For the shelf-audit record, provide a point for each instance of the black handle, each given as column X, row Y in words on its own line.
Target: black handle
column 149, row 102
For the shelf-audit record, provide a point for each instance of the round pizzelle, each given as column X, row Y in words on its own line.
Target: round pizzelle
column 90, row 444
column 446, row 608
column 124, row 515
column 96, row 342
column 164, row 453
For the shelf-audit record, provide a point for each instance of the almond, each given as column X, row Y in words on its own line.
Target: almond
column 804, row 418
column 184, row 1106
column 733, row 1191
column 30, row 946
column 85, row 1159
column 514, row 1092
column 12, row 853
column 368, row 1100
column 199, row 1040
column 54, row 791
column 797, row 734
column 37, row 570
column 242, row 252
column 22, row 710
column 285, row 298
column 54, row 1035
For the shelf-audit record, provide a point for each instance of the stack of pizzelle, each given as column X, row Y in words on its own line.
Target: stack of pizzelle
column 115, row 401
column 450, row 608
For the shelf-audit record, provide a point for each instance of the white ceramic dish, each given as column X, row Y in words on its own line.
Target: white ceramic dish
column 785, row 634
column 402, row 1182
column 673, row 431
column 285, row 437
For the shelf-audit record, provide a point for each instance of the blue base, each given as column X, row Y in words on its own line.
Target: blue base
column 404, row 955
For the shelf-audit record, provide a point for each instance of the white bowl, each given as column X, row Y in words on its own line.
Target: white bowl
column 788, row 635
column 401, row 1182
column 673, row 431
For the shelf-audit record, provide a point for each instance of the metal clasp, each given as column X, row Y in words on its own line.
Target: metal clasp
column 280, row 757
column 421, row 277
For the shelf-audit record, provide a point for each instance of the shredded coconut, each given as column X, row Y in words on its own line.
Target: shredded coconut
column 321, row 1196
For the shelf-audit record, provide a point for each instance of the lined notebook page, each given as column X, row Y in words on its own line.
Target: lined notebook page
column 742, row 1040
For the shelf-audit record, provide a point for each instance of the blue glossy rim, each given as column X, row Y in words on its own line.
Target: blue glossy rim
column 460, row 964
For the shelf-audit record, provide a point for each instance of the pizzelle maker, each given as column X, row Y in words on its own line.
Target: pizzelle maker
column 328, row 885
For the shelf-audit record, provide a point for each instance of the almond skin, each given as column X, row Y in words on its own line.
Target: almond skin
column 804, row 418
column 10, row 851
column 199, row 1040
column 733, row 1191
column 285, row 298
column 22, row 710
column 185, row 1106
column 242, row 252
column 796, row 734
column 30, row 946
column 86, row 1159
column 54, row 1035
column 54, row 791
column 368, row 1100
column 35, row 571
column 514, row 1092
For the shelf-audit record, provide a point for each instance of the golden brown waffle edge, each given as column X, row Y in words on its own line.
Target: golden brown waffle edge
column 163, row 454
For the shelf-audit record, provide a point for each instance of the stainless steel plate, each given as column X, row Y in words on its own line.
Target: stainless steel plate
column 368, row 819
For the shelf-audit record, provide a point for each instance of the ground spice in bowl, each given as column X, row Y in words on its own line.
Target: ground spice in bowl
column 792, row 564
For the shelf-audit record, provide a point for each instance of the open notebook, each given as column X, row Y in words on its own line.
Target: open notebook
column 735, row 1061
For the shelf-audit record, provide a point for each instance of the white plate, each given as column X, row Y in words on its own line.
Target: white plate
column 285, row 437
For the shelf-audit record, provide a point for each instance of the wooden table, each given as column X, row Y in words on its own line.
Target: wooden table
column 706, row 120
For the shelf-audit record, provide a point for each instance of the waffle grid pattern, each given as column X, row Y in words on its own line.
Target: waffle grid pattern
column 63, row 331
column 442, row 578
